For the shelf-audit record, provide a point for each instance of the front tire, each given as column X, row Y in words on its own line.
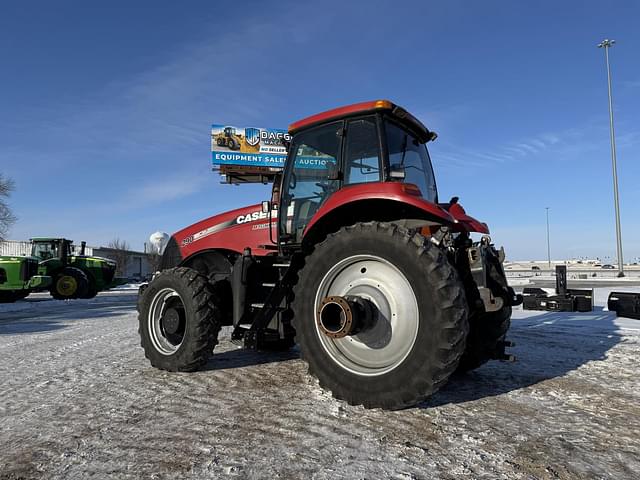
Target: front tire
column 69, row 283
column 485, row 333
column 417, row 335
column 179, row 320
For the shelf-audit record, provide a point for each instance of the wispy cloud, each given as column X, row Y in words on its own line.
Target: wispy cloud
column 166, row 189
column 591, row 135
column 466, row 157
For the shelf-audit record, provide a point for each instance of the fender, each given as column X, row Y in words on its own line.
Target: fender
column 404, row 193
column 465, row 222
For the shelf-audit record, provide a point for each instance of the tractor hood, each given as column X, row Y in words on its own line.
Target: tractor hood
column 231, row 231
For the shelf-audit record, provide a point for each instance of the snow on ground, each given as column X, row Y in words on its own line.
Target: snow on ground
column 78, row 400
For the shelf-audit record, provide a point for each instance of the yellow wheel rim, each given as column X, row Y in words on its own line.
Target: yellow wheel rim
column 67, row 285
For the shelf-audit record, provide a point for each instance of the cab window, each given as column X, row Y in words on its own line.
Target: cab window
column 410, row 156
column 362, row 151
column 45, row 251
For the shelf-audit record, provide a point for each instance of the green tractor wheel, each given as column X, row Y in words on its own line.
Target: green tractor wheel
column 69, row 283
column 92, row 290
column 8, row 296
column 22, row 294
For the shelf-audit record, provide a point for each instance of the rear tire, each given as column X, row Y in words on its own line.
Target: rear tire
column 486, row 331
column 92, row 290
column 420, row 326
column 69, row 283
column 179, row 320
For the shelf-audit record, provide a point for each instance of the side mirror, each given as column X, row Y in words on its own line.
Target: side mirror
column 397, row 172
column 266, row 206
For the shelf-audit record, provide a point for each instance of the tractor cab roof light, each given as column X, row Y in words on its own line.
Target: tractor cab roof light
column 341, row 112
column 415, row 125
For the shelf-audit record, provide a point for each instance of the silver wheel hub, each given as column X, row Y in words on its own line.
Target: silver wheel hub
column 391, row 335
column 165, row 321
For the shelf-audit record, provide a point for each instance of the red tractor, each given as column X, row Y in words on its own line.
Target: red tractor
column 354, row 259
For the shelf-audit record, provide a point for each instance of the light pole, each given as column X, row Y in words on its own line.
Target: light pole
column 548, row 242
column 606, row 44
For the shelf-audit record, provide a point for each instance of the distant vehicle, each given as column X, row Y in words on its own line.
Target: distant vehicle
column 73, row 276
column 18, row 278
column 535, row 267
column 608, row 267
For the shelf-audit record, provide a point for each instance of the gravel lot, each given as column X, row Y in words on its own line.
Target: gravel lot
column 79, row 400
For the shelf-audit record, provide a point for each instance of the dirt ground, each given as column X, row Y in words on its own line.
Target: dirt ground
column 79, row 400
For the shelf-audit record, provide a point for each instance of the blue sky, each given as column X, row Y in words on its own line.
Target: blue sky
column 105, row 107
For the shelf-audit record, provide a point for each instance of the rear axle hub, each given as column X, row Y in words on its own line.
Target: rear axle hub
column 171, row 321
column 339, row 317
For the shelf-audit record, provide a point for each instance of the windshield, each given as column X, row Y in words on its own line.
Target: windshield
column 411, row 156
column 45, row 251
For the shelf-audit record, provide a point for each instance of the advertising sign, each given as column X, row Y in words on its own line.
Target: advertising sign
column 248, row 146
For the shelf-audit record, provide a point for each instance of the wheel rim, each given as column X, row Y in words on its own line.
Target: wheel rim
column 67, row 285
column 387, row 343
column 165, row 330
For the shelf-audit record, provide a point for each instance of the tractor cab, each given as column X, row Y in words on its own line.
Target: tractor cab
column 50, row 248
column 365, row 146
column 229, row 131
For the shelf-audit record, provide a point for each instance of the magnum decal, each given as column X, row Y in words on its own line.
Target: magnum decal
column 239, row 220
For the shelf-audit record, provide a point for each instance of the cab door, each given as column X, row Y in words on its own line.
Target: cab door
column 310, row 178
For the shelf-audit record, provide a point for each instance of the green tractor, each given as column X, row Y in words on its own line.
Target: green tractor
column 18, row 278
column 73, row 276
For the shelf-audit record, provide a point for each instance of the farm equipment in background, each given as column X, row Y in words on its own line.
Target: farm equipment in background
column 625, row 304
column 73, row 275
column 19, row 277
column 229, row 138
column 565, row 299
column 382, row 285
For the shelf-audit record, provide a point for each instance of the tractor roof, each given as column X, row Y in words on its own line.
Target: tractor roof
column 394, row 110
column 48, row 239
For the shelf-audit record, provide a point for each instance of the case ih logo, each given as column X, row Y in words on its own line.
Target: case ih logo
column 252, row 135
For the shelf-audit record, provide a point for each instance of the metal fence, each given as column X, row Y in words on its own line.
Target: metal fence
column 12, row 247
